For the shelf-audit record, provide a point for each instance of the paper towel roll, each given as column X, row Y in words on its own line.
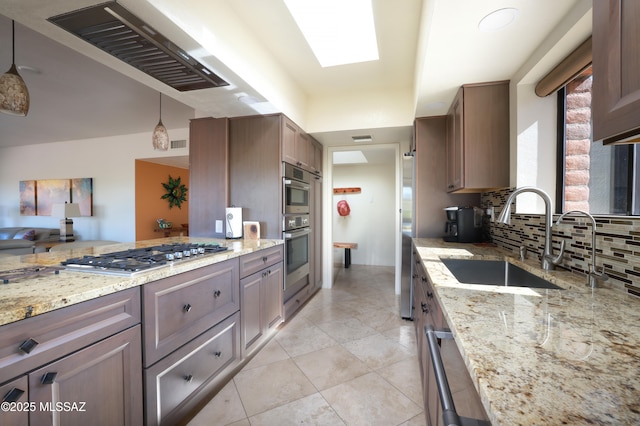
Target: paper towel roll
column 234, row 222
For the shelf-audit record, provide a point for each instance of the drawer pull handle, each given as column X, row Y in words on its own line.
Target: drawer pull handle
column 425, row 308
column 188, row 378
column 265, row 258
column 13, row 395
column 217, row 293
column 430, row 294
column 49, row 378
column 28, row 345
column 217, row 354
column 187, row 307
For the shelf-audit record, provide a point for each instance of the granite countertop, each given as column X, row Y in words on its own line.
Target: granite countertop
column 542, row 357
column 36, row 295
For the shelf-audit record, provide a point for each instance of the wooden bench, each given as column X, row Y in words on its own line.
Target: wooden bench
column 347, row 251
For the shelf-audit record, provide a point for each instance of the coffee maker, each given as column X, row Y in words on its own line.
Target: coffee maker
column 464, row 225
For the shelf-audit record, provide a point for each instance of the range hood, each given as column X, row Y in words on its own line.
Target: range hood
column 115, row 30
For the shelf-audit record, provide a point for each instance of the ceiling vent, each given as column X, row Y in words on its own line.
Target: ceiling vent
column 120, row 33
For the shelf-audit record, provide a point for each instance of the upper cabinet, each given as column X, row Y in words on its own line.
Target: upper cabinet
column 616, row 71
column 299, row 148
column 477, row 147
column 208, row 175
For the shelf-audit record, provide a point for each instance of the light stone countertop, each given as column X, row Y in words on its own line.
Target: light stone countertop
column 542, row 357
column 36, row 295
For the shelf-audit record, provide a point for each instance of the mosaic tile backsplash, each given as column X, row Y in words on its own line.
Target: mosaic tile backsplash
column 617, row 241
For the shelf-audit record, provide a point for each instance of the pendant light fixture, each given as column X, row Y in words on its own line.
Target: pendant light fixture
column 14, row 96
column 160, row 135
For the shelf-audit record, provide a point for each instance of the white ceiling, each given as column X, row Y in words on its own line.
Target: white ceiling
column 428, row 48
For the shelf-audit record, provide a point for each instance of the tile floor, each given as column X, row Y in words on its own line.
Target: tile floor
column 346, row 358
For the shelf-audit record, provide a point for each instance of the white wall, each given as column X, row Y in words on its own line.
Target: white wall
column 372, row 222
column 109, row 161
column 533, row 119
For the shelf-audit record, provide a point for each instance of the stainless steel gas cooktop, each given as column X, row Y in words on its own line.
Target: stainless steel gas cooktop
column 133, row 261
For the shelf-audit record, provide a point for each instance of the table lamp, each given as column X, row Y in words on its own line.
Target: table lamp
column 66, row 211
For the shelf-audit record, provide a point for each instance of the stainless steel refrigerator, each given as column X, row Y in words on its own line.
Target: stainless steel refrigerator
column 408, row 232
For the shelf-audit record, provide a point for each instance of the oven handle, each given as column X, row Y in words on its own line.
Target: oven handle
column 296, row 184
column 296, row 234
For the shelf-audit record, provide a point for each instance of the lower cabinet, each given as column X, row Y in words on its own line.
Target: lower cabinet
column 77, row 365
column 261, row 298
column 176, row 384
column 99, row 385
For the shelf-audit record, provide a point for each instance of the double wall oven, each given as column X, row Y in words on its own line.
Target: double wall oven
column 296, row 228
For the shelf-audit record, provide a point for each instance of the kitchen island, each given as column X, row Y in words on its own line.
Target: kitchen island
column 541, row 356
column 159, row 341
column 48, row 291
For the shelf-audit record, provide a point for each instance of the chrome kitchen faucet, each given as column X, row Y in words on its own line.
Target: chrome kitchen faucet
column 548, row 261
column 594, row 275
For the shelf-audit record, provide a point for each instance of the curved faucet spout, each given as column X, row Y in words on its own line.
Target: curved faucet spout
column 594, row 275
column 548, row 259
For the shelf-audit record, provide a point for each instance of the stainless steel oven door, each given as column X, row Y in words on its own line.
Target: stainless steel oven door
column 295, row 197
column 296, row 260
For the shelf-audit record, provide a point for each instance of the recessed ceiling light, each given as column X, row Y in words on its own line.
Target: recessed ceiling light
column 498, row 19
column 339, row 32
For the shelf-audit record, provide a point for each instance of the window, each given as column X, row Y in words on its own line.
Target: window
column 596, row 178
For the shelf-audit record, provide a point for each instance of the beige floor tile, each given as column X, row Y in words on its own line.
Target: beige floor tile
column 272, row 385
column 405, row 376
column 310, row 410
column 302, row 340
column 369, row 400
column 419, row 420
column 404, row 334
column 224, row 409
column 347, row 329
column 378, row 351
column 331, row 366
column 270, row 353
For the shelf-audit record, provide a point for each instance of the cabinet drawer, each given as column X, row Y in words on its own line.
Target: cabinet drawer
column 173, row 384
column 181, row 307
column 63, row 331
column 16, row 392
column 254, row 262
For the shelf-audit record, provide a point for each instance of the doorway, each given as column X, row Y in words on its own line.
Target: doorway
column 371, row 173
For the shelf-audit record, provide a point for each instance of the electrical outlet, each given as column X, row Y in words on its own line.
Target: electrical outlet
column 491, row 214
column 219, row 226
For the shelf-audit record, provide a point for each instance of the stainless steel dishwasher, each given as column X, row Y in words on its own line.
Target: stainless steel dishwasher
column 460, row 403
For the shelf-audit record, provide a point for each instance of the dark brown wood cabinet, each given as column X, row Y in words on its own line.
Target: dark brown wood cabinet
column 478, row 138
column 179, row 308
column 72, row 350
column 616, row 71
column 261, row 287
column 255, row 170
column 176, row 384
column 98, row 385
column 430, row 197
column 297, row 148
column 315, row 253
column 15, row 392
column 208, row 175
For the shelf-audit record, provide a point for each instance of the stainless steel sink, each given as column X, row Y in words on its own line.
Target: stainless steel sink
column 494, row 272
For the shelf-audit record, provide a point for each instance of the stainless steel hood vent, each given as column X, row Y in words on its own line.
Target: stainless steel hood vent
column 120, row 33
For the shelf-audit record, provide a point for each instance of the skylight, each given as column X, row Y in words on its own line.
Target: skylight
column 349, row 157
column 339, row 32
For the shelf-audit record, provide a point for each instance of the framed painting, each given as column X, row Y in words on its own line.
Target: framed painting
column 28, row 198
column 50, row 192
column 82, row 194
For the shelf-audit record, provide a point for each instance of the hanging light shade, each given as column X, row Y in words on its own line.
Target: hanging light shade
column 160, row 135
column 14, row 96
